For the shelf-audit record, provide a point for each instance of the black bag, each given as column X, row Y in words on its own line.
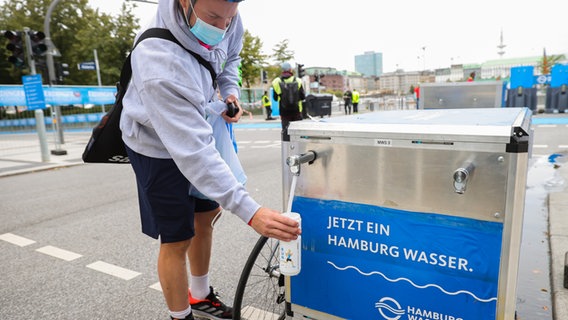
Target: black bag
column 289, row 96
column 105, row 144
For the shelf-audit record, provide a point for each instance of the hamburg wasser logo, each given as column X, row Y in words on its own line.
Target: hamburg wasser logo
column 389, row 308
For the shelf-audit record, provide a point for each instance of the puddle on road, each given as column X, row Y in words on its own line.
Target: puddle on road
column 533, row 286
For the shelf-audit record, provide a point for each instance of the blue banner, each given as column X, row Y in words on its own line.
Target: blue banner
column 368, row 262
column 60, row 95
column 12, row 96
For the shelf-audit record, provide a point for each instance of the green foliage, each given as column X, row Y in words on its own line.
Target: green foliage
column 281, row 53
column 252, row 59
column 76, row 30
column 547, row 62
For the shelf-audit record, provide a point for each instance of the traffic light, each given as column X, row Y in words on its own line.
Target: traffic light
column 264, row 76
column 61, row 71
column 16, row 46
column 301, row 71
column 37, row 41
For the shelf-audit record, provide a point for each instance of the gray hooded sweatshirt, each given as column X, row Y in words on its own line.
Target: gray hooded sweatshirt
column 166, row 100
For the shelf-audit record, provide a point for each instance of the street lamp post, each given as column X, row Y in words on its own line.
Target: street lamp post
column 52, row 51
column 423, row 58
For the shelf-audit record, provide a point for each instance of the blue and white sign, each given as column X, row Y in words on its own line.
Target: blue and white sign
column 33, row 91
column 395, row 264
column 88, row 65
column 59, row 95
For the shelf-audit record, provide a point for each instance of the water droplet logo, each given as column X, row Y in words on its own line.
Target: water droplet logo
column 389, row 308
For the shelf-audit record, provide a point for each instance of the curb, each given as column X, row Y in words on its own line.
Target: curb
column 558, row 236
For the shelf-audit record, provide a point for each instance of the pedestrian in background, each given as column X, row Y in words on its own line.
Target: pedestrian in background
column 289, row 92
column 347, row 96
column 171, row 147
column 355, row 100
column 471, row 77
column 267, row 105
column 417, row 94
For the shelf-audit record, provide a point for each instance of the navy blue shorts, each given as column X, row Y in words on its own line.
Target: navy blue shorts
column 166, row 208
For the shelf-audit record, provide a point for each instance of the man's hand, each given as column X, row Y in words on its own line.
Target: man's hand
column 232, row 99
column 273, row 224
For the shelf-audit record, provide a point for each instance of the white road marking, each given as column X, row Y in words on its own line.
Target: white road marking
column 265, row 144
column 547, row 126
column 540, row 146
column 563, row 146
column 253, row 313
column 156, row 286
column 17, row 240
column 113, row 270
column 59, row 253
column 274, row 145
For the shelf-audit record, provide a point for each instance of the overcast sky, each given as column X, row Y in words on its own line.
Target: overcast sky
column 412, row 35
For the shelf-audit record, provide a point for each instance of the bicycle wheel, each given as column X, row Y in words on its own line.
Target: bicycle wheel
column 260, row 292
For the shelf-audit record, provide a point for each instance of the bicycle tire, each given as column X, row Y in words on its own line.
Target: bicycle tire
column 262, row 298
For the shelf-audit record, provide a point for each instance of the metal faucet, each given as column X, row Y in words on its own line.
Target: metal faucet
column 295, row 161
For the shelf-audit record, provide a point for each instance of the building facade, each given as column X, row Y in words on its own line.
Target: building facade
column 369, row 64
column 501, row 68
column 402, row 82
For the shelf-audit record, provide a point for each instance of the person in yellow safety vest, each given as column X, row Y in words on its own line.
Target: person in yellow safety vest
column 355, row 100
column 267, row 105
column 289, row 93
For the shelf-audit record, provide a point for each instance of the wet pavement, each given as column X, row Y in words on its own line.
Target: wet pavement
column 534, row 300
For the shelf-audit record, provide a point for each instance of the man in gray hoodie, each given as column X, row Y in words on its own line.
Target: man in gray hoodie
column 171, row 146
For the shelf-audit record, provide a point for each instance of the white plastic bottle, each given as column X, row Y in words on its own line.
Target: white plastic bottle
column 290, row 253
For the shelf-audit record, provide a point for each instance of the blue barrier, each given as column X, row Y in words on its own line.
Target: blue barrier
column 69, row 119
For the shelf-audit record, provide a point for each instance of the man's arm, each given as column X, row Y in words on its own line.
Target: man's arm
column 302, row 92
column 276, row 89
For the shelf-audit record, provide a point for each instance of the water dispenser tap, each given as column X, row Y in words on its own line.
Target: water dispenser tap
column 295, row 161
column 462, row 176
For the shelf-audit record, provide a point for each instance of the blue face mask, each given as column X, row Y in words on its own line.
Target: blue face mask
column 205, row 32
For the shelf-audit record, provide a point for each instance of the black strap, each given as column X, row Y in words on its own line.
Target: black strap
column 126, row 72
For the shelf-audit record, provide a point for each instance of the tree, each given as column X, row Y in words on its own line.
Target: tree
column 252, row 59
column 282, row 53
column 76, row 30
column 545, row 65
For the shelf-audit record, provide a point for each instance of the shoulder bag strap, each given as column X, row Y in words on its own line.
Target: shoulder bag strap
column 126, row 72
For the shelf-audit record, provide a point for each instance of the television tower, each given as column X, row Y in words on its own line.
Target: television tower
column 501, row 46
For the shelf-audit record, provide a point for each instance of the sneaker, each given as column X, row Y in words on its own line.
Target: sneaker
column 211, row 307
column 189, row 317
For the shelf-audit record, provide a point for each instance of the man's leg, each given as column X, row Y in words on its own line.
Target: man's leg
column 172, row 271
column 204, row 301
column 285, row 124
column 199, row 252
